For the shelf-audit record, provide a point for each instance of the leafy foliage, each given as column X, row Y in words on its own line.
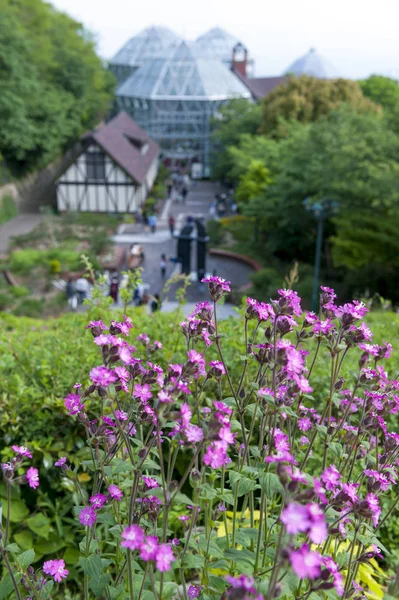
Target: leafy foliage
column 53, row 84
column 305, row 99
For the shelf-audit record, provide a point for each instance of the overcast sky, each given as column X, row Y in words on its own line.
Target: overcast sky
column 359, row 37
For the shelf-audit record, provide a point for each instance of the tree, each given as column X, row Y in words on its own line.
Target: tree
column 306, row 99
column 53, row 85
column 237, row 117
column 253, row 182
column 381, row 90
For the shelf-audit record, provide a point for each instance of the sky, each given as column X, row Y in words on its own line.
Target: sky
column 359, row 37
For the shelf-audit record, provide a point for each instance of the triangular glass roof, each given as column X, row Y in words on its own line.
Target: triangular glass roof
column 313, row 64
column 183, row 75
column 216, row 43
column 150, row 43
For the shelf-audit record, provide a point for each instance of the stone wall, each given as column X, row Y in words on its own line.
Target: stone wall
column 38, row 188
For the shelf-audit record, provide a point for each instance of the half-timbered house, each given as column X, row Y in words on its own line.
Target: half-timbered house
column 114, row 172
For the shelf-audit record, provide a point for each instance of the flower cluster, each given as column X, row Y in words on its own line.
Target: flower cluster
column 148, row 547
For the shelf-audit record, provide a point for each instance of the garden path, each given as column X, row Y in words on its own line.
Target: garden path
column 197, row 204
column 19, row 225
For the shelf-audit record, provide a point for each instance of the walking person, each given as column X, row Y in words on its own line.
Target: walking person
column 152, row 222
column 114, row 287
column 169, row 187
column 184, row 193
column 155, row 304
column 172, row 223
column 163, row 265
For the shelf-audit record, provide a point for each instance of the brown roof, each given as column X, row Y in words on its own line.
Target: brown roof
column 122, row 139
column 260, row 86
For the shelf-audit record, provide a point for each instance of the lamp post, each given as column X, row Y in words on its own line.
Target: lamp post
column 320, row 211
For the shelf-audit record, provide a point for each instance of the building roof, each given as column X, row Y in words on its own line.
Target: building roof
column 128, row 145
column 313, row 64
column 183, row 75
column 216, row 43
column 150, row 43
column 260, row 86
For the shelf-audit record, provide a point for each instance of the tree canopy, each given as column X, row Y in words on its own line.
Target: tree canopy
column 53, row 84
column 305, row 99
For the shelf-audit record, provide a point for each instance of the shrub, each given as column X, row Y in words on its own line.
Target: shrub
column 265, row 281
column 6, row 300
column 55, row 266
column 251, row 471
column 215, row 232
column 29, row 307
column 8, row 208
column 18, row 291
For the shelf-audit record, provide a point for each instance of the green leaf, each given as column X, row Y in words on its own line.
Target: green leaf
column 182, row 499
column 7, row 586
column 40, row 525
column 18, row 510
column 92, row 566
column 270, row 484
column 98, row 586
column 240, row 484
column 14, row 548
column 24, row 539
column 123, row 467
column 50, row 546
column 193, row 561
column 26, row 558
column 207, row 492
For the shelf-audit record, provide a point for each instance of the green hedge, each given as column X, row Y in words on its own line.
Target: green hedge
column 8, row 208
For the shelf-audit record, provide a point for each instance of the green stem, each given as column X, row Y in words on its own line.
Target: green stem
column 8, row 512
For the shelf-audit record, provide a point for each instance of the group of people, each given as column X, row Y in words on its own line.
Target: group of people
column 180, row 185
column 223, row 205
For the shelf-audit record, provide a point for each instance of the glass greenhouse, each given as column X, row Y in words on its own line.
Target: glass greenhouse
column 174, row 98
column 313, row 64
column 153, row 42
column 218, row 43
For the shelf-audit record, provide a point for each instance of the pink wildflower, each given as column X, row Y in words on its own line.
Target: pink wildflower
column 98, row 500
column 143, row 392
column 115, row 492
column 61, row 461
column 133, row 537
column 32, row 475
column 87, row 516
column 330, row 477
column 164, row 557
column 22, row 451
column 150, row 483
column 74, row 404
column 102, row 376
column 305, row 563
column 149, row 547
column 55, row 568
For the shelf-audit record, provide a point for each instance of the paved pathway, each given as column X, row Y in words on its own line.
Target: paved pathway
column 154, row 244
column 20, row 225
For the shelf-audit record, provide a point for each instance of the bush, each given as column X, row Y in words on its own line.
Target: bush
column 22, row 262
column 18, row 291
column 211, row 498
column 265, row 282
column 6, row 300
column 55, row 266
column 29, row 307
column 8, row 208
column 216, row 233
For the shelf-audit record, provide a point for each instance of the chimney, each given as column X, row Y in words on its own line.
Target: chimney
column 239, row 59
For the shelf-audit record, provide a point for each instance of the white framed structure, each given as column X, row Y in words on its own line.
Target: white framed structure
column 114, row 173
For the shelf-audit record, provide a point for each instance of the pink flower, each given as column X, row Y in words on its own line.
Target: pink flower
column 73, row 403
column 121, row 415
column 193, row 433
column 216, row 455
column 164, row 557
column 133, row 537
column 323, row 327
column 193, row 591
column 225, row 285
column 87, row 516
column 292, row 299
column 22, row 451
column 55, row 568
column 242, row 582
column 305, row 563
column 32, row 475
column 374, row 508
column 102, row 376
column 149, row 547
column 98, row 500
column 217, row 368
column 96, row 325
column 143, row 392
column 150, row 483
column 330, row 477
column 122, row 373
column 295, row 518
column 115, row 492
column 61, row 461
column 143, row 337
column 304, row 424
column 163, row 396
